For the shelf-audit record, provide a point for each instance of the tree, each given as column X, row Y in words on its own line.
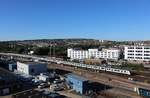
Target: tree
column 41, row 51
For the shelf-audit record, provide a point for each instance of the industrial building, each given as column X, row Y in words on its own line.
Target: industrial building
column 8, row 83
column 77, row 83
column 4, row 88
column 31, row 68
column 12, row 67
column 142, row 92
column 93, row 53
column 138, row 53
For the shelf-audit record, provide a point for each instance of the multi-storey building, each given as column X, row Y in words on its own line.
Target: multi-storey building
column 31, row 68
column 93, row 53
column 139, row 53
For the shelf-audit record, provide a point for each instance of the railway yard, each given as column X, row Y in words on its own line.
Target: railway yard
column 117, row 82
column 112, row 84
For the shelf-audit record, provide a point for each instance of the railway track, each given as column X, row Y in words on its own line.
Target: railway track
column 117, row 84
column 116, row 81
column 58, row 61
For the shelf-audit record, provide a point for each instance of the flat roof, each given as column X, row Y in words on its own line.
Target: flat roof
column 77, row 77
column 31, row 63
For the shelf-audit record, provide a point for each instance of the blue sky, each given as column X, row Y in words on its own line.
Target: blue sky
column 98, row 19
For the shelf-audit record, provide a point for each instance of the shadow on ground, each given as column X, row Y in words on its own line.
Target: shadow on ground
column 98, row 87
column 59, row 71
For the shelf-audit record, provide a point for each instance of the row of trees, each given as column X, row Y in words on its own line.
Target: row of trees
column 15, row 48
column 57, row 50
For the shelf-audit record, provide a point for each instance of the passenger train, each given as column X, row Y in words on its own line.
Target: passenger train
column 94, row 67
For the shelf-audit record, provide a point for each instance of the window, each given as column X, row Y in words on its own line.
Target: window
column 130, row 50
column 130, row 47
column 146, row 57
column 130, row 57
column 147, row 51
column 130, row 54
column 138, row 54
column 139, row 48
column 147, row 48
column 138, row 51
column 146, row 54
column 138, row 57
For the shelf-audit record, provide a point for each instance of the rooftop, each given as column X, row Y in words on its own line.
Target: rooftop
column 77, row 77
column 37, row 94
column 31, row 63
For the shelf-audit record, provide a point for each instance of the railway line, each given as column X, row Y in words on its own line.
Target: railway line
column 58, row 61
column 82, row 66
column 116, row 81
column 117, row 84
column 91, row 72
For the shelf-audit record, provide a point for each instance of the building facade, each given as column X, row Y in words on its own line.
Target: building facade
column 77, row 83
column 12, row 67
column 31, row 68
column 93, row 53
column 139, row 53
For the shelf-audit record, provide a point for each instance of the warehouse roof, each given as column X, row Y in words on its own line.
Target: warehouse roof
column 32, row 63
column 77, row 77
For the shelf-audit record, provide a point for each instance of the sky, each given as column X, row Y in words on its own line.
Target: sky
column 97, row 19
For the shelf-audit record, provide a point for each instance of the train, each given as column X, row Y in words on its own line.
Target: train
column 94, row 67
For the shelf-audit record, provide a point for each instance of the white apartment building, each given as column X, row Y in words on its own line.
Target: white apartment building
column 139, row 53
column 93, row 53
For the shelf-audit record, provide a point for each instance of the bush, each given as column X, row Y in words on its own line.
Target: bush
column 135, row 67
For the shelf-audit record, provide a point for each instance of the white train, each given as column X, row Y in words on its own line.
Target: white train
column 95, row 67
